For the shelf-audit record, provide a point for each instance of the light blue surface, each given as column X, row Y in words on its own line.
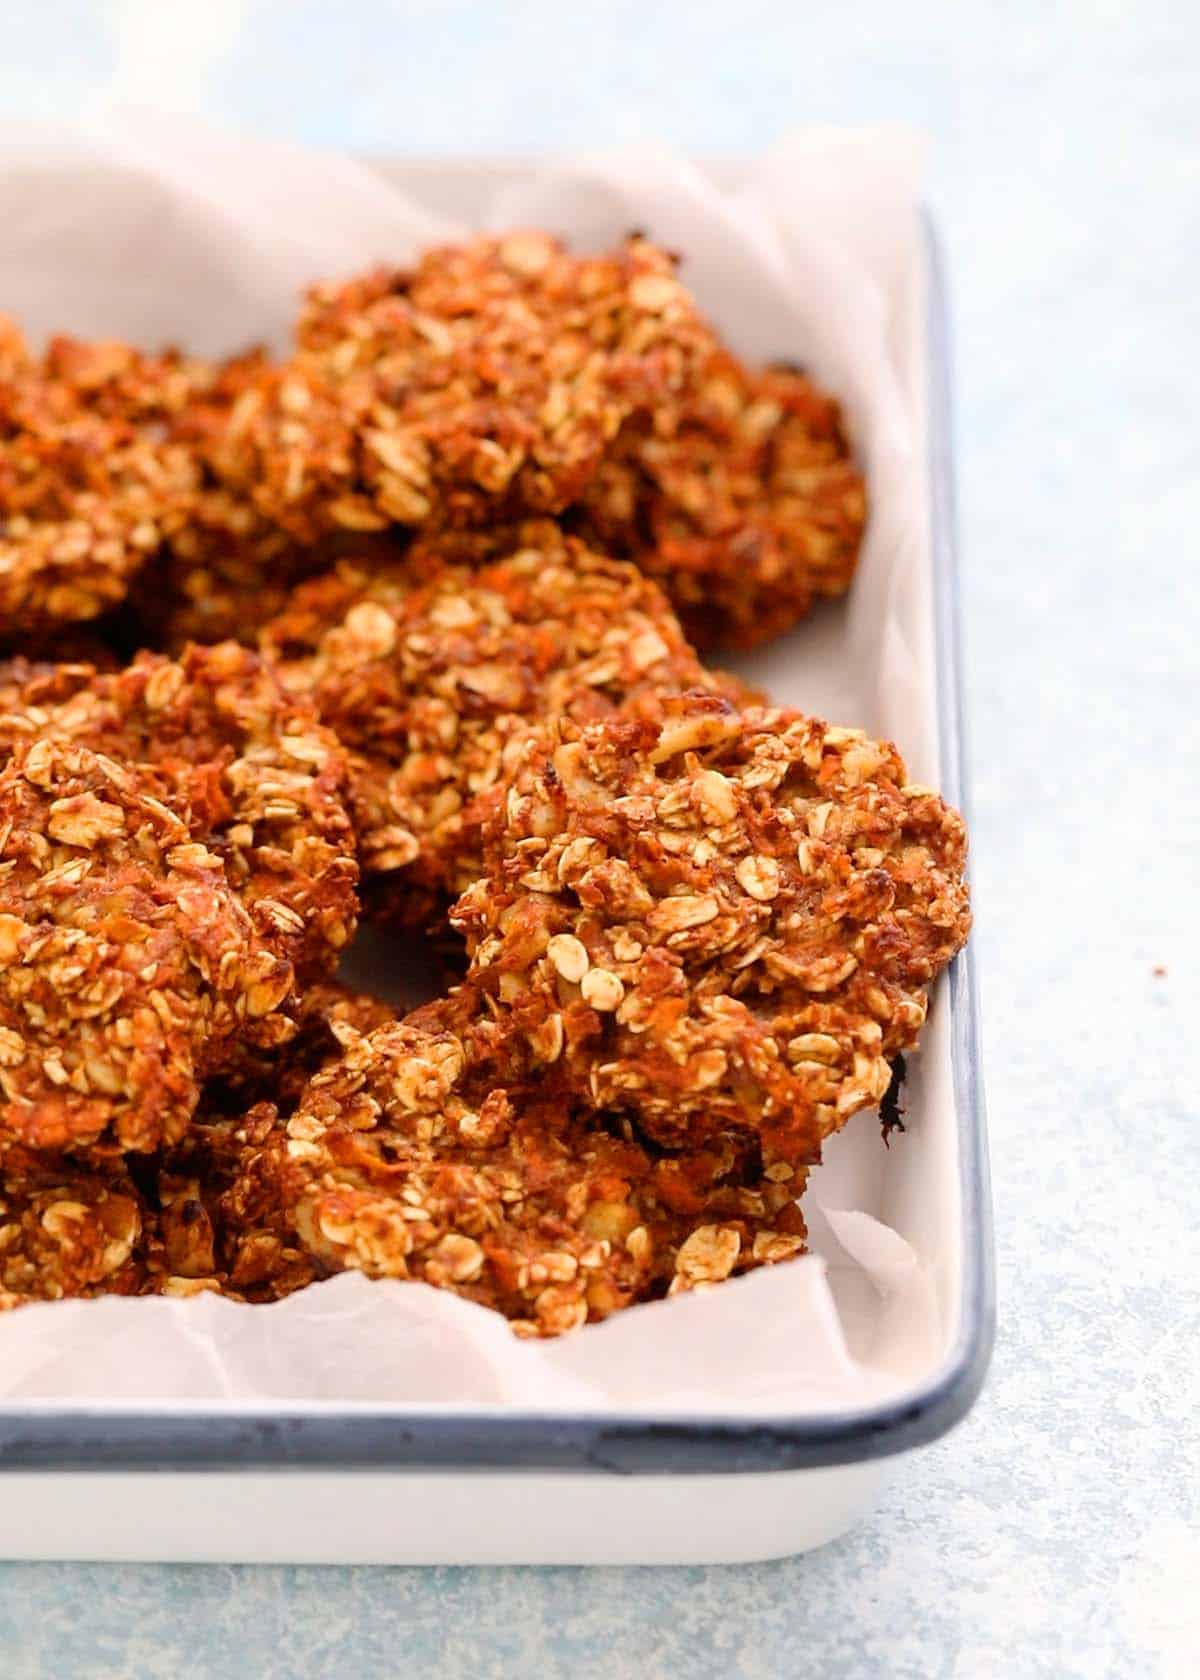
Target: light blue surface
column 1056, row 1532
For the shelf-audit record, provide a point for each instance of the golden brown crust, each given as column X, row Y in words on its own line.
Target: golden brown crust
column 217, row 583
column 201, row 1220
column 726, row 919
column 484, row 382
column 740, row 496
column 428, row 672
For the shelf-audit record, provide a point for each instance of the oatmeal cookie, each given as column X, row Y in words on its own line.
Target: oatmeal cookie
column 128, row 964
column 720, row 919
column 483, row 382
column 262, row 779
column 739, row 496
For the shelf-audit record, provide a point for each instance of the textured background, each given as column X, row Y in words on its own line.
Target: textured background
column 1056, row 1533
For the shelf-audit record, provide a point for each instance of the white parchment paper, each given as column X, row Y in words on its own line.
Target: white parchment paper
column 153, row 230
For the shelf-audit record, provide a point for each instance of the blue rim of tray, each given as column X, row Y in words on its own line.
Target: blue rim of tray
column 302, row 1436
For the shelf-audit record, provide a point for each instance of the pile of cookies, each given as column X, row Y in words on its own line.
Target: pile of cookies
column 404, row 629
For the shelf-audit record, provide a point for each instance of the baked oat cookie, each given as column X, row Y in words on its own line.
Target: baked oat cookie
column 720, row 919
column 700, row 930
column 739, row 495
column 263, row 781
column 483, row 382
column 428, row 672
column 423, row 1154
column 104, row 496
column 128, row 964
column 92, row 480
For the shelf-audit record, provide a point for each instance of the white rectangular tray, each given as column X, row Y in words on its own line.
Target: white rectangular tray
column 322, row 1482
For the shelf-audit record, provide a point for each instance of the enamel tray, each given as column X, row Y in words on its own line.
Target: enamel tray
column 400, row 1484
